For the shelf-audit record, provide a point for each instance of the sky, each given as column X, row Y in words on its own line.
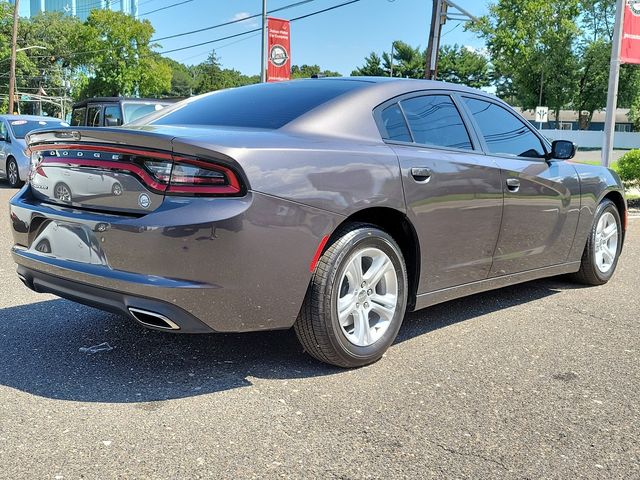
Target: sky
column 337, row 40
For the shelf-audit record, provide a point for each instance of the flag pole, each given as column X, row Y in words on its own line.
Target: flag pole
column 614, row 77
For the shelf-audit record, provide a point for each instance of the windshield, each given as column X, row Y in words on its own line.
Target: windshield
column 20, row 128
column 135, row 110
column 269, row 106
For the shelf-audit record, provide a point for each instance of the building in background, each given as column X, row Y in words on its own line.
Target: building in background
column 80, row 8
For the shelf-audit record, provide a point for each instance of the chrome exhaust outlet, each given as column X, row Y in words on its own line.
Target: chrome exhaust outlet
column 152, row 319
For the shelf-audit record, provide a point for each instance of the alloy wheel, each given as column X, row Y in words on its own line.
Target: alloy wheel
column 368, row 296
column 606, row 242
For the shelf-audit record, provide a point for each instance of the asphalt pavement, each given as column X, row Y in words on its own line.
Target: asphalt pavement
column 539, row 380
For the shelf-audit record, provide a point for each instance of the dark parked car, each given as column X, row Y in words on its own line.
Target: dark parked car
column 114, row 111
column 330, row 205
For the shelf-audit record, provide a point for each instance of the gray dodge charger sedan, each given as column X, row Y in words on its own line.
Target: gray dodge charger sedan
column 327, row 205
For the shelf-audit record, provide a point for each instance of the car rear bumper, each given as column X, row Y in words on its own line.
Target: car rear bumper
column 168, row 317
column 216, row 264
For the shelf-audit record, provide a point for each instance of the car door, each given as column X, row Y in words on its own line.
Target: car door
column 4, row 146
column 541, row 196
column 452, row 190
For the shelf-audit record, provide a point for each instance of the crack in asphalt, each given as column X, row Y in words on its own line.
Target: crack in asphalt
column 470, row 454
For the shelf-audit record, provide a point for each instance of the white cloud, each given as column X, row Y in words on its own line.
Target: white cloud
column 253, row 22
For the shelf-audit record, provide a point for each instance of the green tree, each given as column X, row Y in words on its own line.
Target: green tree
column 119, row 57
column 307, row 71
column 372, row 67
column 459, row 64
column 528, row 39
column 211, row 76
column 408, row 62
column 182, row 79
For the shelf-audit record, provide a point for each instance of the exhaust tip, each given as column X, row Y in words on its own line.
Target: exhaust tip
column 153, row 319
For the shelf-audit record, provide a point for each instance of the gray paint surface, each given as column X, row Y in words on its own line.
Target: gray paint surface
column 242, row 263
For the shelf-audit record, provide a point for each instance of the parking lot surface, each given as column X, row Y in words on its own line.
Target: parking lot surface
column 539, row 380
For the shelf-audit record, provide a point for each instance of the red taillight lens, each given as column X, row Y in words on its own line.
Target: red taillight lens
column 197, row 177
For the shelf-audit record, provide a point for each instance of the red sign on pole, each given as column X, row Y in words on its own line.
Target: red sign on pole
column 279, row 50
column 630, row 52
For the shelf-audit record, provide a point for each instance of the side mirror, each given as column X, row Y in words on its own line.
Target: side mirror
column 563, row 150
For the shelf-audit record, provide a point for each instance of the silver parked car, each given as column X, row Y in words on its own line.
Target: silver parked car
column 14, row 161
column 327, row 205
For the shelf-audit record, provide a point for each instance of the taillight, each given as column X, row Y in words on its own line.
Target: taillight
column 197, row 177
column 159, row 171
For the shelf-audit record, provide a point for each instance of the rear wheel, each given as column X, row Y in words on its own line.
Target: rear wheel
column 357, row 298
column 13, row 174
column 62, row 192
column 602, row 250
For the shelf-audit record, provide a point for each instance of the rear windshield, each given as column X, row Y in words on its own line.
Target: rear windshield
column 256, row 106
column 20, row 128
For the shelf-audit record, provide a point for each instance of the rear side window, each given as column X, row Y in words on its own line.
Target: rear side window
column 434, row 120
column 257, row 106
column 503, row 132
column 394, row 126
column 77, row 117
column 93, row 116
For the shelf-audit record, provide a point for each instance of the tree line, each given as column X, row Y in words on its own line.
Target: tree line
column 549, row 52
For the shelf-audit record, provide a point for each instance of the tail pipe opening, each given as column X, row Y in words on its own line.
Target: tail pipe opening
column 153, row 319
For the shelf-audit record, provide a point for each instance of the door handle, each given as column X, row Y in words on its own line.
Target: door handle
column 513, row 184
column 421, row 174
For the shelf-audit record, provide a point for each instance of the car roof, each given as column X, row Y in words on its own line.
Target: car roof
column 31, row 118
column 86, row 101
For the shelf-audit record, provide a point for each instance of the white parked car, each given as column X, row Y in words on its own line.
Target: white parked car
column 14, row 161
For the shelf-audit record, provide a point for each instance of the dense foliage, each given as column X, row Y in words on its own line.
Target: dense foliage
column 628, row 167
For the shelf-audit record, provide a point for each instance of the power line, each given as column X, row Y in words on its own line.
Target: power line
column 317, row 12
column 164, row 8
column 231, row 22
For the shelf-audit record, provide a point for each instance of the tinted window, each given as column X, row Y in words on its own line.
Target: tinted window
column 435, row 120
column 22, row 127
column 503, row 131
column 93, row 116
column 394, row 126
column 259, row 106
column 112, row 115
column 77, row 117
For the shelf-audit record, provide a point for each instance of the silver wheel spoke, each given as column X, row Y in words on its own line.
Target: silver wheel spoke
column 362, row 328
column 346, row 306
column 377, row 270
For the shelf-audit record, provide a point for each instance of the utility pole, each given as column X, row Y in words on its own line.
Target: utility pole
column 393, row 44
column 14, row 43
column 439, row 16
column 263, row 57
column 614, row 77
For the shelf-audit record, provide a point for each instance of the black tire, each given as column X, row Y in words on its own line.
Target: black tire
column 589, row 273
column 318, row 328
column 14, row 182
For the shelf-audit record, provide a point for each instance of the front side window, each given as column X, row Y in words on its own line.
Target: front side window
column 503, row 132
column 434, row 120
column 93, row 116
column 394, row 126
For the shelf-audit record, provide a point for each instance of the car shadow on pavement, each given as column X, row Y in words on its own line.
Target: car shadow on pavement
column 40, row 350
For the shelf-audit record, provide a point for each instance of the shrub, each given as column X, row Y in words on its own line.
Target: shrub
column 628, row 168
